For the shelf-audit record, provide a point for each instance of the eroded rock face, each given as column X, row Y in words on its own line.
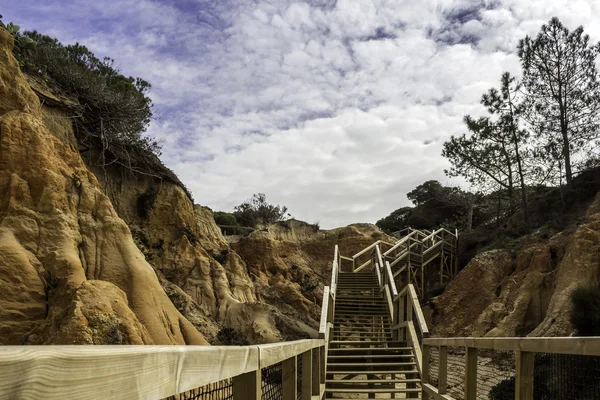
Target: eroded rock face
column 523, row 293
column 60, row 234
column 95, row 254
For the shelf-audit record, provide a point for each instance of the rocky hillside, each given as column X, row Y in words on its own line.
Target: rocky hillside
column 523, row 289
column 98, row 254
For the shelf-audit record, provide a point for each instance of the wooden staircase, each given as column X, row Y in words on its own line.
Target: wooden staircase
column 364, row 358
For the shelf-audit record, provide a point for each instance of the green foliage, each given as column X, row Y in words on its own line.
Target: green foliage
column 562, row 91
column 585, row 310
column 396, row 221
column 115, row 110
column 24, row 46
column 492, row 155
column 258, row 211
column 435, row 205
column 225, row 218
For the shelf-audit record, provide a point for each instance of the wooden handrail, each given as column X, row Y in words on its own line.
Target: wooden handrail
column 585, row 346
column 525, row 350
column 324, row 313
column 131, row 372
column 363, row 251
column 394, row 291
column 401, row 242
column 414, row 299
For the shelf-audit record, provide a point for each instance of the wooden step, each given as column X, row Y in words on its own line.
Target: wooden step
column 358, row 390
column 391, row 342
column 369, row 381
column 372, row 364
column 357, row 349
column 381, row 372
column 369, row 356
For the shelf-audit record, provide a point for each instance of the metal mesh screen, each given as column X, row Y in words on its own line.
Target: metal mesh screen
column 299, row 376
column 271, row 382
column 222, row 390
column 566, row 377
column 434, row 365
column 495, row 369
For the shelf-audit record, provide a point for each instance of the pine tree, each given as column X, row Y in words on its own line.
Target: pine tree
column 504, row 103
column 562, row 90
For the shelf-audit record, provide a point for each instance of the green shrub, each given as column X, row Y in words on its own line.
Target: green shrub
column 585, row 310
column 225, row 218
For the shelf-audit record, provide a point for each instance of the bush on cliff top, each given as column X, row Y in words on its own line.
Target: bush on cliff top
column 585, row 311
column 114, row 111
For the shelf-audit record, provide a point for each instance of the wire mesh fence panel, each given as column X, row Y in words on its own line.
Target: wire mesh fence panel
column 496, row 374
column 434, row 365
column 299, row 376
column 222, row 390
column 566, row 377
column 456, row 372
column 271, row 382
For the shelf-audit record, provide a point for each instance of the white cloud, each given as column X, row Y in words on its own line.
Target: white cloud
column 333, row 108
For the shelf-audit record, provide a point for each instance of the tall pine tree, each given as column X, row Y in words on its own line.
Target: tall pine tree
column 562, row 90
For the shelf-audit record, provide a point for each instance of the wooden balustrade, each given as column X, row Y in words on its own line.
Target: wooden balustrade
column 153, row 372
column 524, row 349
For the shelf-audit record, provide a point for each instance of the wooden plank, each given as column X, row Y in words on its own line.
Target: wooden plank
column 416, row 306
column 276, row 352
column 247, row 386
column 589, row 346
column 433, row 392
column 117, row 372
column 363, row 266
column 322, row 364
column 377, row 269
column 316, row 372
column 471, row 373
column 289, row 379
column 363, row 251
column 412, row 336
column 443, row 370
column 524, row 375
column 394, row 291
column 307, row 375
column 425, row 364
column 401, row 270
column 398, row 244
column 324, row 313
column 388, row 297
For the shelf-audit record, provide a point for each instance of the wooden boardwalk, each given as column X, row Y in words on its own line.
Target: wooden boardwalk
column 374, row 343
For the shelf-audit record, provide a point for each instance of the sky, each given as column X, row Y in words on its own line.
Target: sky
column 334, row 108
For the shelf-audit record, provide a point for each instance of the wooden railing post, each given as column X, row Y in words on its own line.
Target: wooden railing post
column 425, row 372
column 401, row 316
column 443, row 370
column 247, row 386
column 322, row 364
column 289, row 381
column 316, row 372
column 524, row 375
column 471, row 373
column 307, row 375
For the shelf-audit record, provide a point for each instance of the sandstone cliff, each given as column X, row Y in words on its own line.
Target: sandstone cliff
column 524, row 291
column 69, row 269
column 97, row 254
